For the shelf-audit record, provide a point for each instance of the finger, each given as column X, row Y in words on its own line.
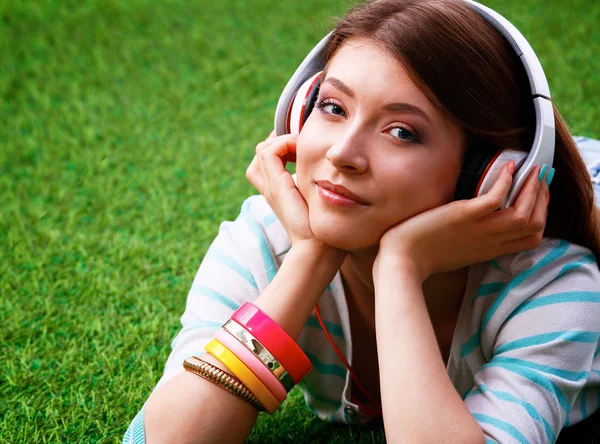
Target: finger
column 526, row 243
column 268, row 142
column 272, row 160
column 493, row 199
column 272, row 135
column 271, row 166
column 517, row 216
column 537, row 220
column 254, row 175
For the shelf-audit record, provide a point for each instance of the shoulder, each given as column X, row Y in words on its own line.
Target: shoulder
column 552, row 288
column 556, row 273
column 555, row 259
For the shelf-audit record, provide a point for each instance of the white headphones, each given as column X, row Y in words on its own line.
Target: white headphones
column 480, row 170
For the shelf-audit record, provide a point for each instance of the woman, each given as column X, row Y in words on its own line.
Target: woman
column 460, row 323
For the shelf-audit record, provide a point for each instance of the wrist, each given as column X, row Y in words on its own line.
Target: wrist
column 320, row 252
column 398, row 264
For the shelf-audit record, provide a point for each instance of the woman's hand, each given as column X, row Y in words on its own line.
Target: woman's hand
column 466, row 232
column 268, row 175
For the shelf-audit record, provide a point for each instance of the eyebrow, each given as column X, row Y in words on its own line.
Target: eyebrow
column 401, row 107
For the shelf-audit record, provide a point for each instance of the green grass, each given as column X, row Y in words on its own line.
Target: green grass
column 125, row 132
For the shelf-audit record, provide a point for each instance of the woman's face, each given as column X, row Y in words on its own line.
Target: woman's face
column 376, row 134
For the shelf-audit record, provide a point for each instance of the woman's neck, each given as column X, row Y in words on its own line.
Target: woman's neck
column 443, row 292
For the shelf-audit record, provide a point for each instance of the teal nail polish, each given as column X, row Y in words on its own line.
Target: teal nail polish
column 542, row 172
column 550, row 176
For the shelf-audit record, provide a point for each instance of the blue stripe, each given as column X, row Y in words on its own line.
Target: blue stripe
column 558, row 372
column 126, row 439
column 557, row 298
column 326, row 369
column 269, row 219
column 189, row 323
column 490, row 441
column 516, row 281
column 494, row 263
column 504, row 426
column 284, row 251
column 582, row 404
column 535, row 377
column 232, row 264
column 487, row 289
column 597, row 350
column 195, row 325
column 265, row 250
column 522, row 277
column 465, row 394
column 471, row 345
column 333, row 329
column 135, row 432
column 587, row 259
column 530, row 341
column 218, row 297
column 505, row 396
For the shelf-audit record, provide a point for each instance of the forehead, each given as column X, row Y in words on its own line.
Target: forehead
column 368, row 66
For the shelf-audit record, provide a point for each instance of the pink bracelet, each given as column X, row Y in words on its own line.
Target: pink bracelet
column 253, row 363
column 275, row 339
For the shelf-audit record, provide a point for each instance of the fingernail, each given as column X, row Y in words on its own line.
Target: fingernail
column 550, row 176
column 542, row 172
column 511, row 166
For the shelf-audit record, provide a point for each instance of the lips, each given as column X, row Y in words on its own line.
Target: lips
column 342, row 191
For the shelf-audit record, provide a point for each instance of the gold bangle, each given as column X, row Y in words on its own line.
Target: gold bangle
column 261, row 352
column 244, row 374
column 222, row 379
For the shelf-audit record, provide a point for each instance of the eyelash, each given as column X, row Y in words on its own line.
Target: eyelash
column 321, row 104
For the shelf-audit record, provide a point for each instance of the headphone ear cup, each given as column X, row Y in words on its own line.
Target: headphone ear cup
column 481, row 168
column 303, row 104
column 476, row 163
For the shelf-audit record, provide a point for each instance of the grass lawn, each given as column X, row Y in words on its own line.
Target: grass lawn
column 125, row 131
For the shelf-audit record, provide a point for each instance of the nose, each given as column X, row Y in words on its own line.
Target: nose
column 348, row 154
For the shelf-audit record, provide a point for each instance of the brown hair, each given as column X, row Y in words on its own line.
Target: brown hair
column 470, row 72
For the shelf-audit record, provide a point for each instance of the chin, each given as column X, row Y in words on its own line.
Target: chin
column 340, row 234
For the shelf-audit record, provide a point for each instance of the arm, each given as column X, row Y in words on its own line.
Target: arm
column 420, row 404
column 189, row 409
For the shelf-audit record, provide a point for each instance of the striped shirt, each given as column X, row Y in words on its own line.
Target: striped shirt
column 525, row 355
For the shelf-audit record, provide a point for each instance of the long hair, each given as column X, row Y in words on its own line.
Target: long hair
column 471, row 74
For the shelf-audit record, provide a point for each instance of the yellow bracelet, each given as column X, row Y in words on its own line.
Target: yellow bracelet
column 244, row 374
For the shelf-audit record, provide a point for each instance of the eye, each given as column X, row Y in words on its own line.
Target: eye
column 403, row 134
column 329, row 106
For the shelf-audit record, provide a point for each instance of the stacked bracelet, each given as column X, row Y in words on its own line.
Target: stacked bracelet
column 260, row 351
column 244, row 374
column 274, row 339
column 253, row 363
column 266, row 361
column 222, row 379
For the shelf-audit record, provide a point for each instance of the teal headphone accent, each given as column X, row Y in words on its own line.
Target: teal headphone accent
column 482, row 166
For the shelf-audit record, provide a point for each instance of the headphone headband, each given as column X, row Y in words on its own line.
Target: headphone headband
column 542, row 150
